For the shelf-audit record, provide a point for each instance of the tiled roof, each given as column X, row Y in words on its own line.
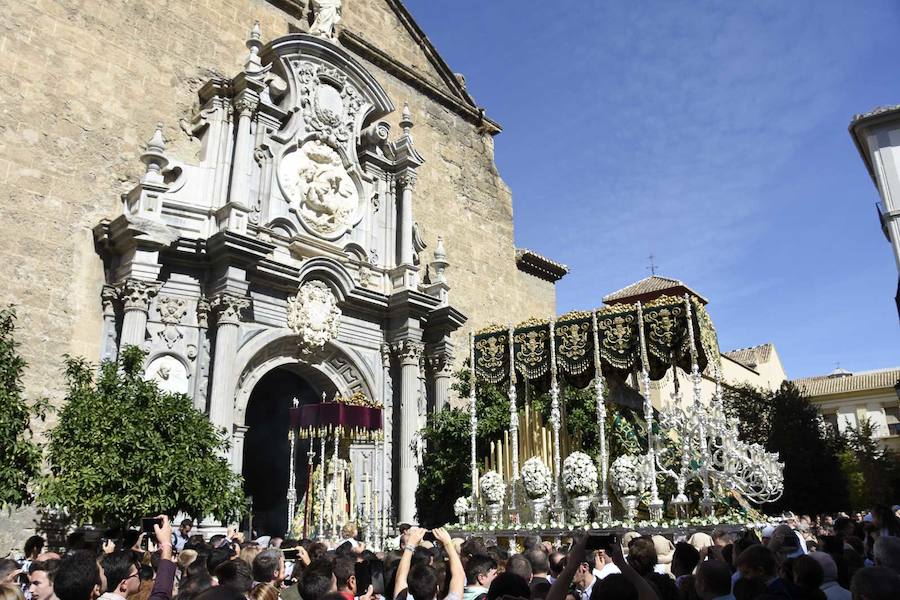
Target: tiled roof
column 751, row 357
column 649, row 285
column 823, row 385
column 878, row 110
column 540, row 266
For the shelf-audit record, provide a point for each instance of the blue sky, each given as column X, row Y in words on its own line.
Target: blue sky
column 710, row 134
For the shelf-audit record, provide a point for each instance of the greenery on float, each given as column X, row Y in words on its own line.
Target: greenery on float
column 124, row 449
column 824, row 471
column 21, row 462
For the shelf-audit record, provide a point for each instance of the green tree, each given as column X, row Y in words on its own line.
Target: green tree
column 786, row 422
column 872, row 471
column 123, row 449
column 21, row 460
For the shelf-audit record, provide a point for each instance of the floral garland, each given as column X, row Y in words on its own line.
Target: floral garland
column 461, row 506
column 625, row 475
column 579, row 474
column 536, row 478
column 493, row 487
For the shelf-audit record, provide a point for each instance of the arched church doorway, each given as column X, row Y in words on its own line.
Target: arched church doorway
column 266, row 460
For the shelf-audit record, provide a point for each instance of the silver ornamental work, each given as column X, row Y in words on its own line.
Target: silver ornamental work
column 313, row 314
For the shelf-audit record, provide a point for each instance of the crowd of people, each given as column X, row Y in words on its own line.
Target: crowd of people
column 801, row 558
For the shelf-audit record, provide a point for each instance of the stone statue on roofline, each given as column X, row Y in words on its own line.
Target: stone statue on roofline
column 327, row 15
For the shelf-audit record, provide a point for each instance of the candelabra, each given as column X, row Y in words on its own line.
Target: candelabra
column 655, row 505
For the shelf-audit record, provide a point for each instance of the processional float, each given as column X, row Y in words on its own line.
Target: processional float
column 356, row 419
column 685, row 441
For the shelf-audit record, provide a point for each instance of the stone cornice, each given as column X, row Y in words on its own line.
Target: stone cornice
column 540, row 266
column 366, row 49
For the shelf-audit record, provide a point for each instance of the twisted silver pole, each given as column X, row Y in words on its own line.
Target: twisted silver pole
column 656, row 504
column 554, row 414
column 513, row 424
column 473, row 421
column 706, row 501
column 604, row 511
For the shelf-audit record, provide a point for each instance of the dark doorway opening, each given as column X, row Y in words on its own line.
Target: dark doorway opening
column 267, row 449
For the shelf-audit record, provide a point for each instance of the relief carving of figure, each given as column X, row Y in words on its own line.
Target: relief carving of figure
column 327, row 15
column 320, row 189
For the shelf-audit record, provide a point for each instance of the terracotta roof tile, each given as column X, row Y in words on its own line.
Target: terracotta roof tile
column 823, row 385
column 648, row 285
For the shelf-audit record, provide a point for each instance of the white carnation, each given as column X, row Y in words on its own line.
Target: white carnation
column 579, row 474
column 493, row 487
column 536, row 478
column 461, row 506
column 624, row 474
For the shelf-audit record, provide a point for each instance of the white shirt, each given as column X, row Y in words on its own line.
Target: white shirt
column 608, row 569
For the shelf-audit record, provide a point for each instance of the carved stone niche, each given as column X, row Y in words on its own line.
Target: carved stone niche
column 313, row 314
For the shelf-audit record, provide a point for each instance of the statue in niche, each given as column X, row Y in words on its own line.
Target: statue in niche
column 320, row 189
column 327, row 16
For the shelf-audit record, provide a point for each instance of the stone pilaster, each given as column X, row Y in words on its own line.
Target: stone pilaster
column 407, row 182
column 237, row 448
column 221, row 406
column 136, row 295
column 441, row 369
column 385, row 503
column 408, row 353
column 109, row 296
column 202, row 377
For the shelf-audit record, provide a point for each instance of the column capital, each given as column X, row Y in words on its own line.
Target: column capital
column 136, row 294
column 109, row 295
column 229, row 308
column 407, row 179
column 385, row 355
column 245, row 104
column 408, row 351
column 440, row 364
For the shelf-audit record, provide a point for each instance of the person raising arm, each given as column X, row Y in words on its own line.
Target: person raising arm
column 457, row 575
column 414, row 537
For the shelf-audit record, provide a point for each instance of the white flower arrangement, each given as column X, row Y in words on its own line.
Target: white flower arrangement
column 492, row 487
column 536, row 478
column 625, row 475
column 579, row 474
column 461, row 506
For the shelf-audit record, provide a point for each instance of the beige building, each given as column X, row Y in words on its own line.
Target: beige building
column 846, row 399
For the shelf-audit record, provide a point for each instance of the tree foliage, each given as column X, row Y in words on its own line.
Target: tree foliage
column 786, row 422
column 872, row 471
column 21, row 455
column 124, row 449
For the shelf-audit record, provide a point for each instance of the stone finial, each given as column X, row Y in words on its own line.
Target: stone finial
column 406, row 122
column 254, row 43
column 155, row 157
column 438, row 267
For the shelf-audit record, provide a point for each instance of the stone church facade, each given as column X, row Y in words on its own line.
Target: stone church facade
column 319, row 197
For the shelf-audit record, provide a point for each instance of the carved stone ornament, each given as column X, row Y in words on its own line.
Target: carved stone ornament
column 327, row 15
column 409, row 351
column 229, row 308
column 328, row 102
column 320, row 189
column 136, row 294
column 171, row 310
column 313, row 314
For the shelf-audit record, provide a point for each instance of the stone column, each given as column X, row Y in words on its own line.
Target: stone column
column 408, row 353
column 221, row 405
column 237, row 448
column 136, row 295
column 441, row 367
column 407, row 181
column 109, row 296
column 244, row 107
column 387, row 445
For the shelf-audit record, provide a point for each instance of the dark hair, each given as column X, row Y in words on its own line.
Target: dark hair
column 422, row 582
column 715, row 577
column 557, row 562
column 47, row 566
column 478, row 565
column 33, row 546
column 532, row 542
column 887, row 519
column 642, row 555
column 519, row 565
column 7, row 566
column 540, row 563
column 344, row 568
column 186, row 522
column 266, row 565
column 749, row 589
column 117, row 567
column 684, row 559
column 130, row 538
column 809, row 575
column 404, row 527
column 474, row 546
column 422, row 556
column 315, row 582
column 76, row 576
column 614, row 587
column 875, row 583
column 235, row 573
column 508, row 584
column 220, row 592
column 220, row 555
column 215, row 539
column 191, row 587
column 758, row 557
